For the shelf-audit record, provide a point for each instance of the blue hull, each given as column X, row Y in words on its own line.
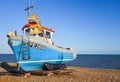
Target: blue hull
column 36, row 58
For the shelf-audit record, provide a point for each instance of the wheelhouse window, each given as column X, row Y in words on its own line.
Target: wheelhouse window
column 48, row 35
column 27, row 31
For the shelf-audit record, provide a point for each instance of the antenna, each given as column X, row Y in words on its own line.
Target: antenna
column 28, row 8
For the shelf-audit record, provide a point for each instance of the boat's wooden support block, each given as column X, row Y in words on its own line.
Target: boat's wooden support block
column 28, row 74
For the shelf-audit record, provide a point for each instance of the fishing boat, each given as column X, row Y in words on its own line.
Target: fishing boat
column 35, row 49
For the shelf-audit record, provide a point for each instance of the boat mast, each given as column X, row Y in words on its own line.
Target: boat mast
column 28, row 8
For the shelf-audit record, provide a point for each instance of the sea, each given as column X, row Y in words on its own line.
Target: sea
column 105, row 61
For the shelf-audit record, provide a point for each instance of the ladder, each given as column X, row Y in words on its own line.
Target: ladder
column 25, row 52
column 25, row 49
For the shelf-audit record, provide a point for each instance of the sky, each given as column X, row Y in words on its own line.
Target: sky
column 88, row 26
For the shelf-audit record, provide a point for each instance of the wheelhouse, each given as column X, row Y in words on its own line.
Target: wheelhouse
column 31, row 29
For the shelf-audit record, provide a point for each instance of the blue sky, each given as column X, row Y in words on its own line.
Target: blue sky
column 88, row 26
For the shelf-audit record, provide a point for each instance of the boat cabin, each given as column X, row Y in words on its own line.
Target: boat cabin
column 33, row 29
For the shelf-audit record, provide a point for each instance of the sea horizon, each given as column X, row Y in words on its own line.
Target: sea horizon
column 107, row 61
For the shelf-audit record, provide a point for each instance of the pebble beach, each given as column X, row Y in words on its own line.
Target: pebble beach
column 70, row 74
